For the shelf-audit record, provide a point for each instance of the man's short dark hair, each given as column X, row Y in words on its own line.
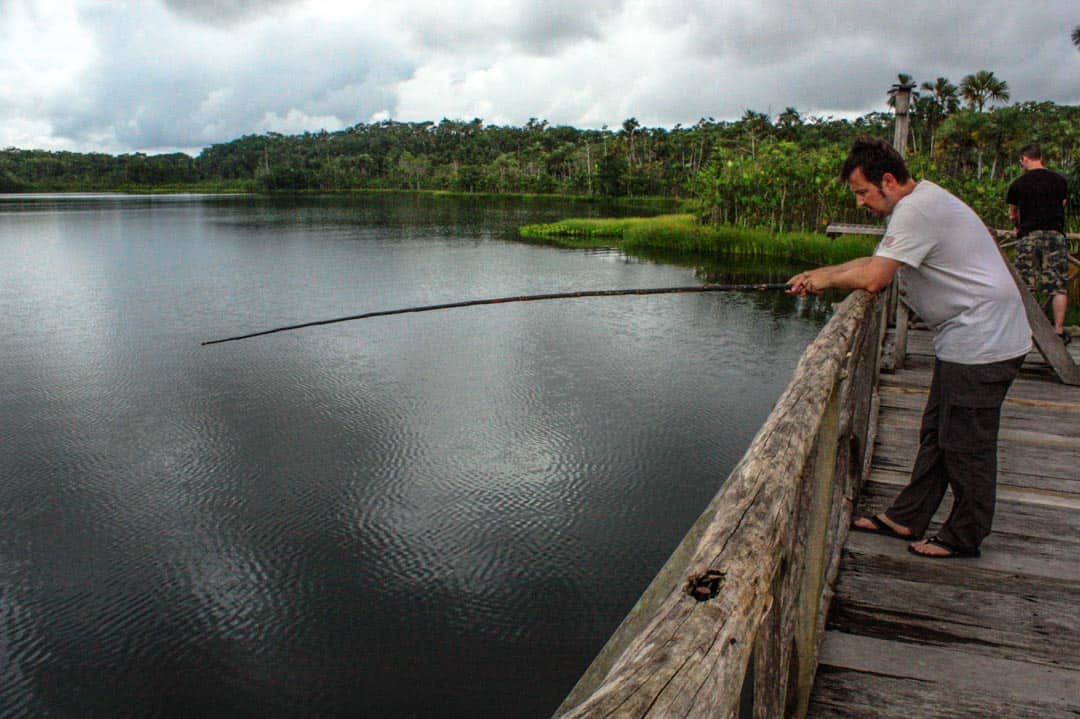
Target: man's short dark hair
column 1032, row 151
column 874, row 157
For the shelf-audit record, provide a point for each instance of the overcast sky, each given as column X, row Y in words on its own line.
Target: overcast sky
column 164, row 75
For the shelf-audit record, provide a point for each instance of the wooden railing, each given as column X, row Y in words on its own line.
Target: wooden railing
column 750, row 582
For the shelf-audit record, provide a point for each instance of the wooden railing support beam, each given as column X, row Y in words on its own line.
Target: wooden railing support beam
column 751, row 576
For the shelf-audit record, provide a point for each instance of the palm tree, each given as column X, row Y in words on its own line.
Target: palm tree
column 630, row 126
column 983, row 87
column 942, row 99
column 788, row 123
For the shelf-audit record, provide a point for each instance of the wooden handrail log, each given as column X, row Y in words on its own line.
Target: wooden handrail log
column 850, row 228
column 677, row 655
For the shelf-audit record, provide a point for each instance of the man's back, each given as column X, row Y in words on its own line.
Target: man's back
column 1039, row 196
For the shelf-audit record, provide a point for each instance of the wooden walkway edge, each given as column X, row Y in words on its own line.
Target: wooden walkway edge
column 997, row 636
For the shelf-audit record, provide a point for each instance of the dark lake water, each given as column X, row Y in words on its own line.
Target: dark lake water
column 430, row 515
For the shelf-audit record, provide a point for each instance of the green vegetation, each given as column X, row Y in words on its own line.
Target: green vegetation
column 757, row 174
column 687, row 234
column 761, row 172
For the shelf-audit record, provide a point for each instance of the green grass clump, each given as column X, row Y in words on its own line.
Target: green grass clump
column 684, row 233
column 583, row 227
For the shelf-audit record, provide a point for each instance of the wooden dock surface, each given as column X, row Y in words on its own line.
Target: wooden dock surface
column 999, row 636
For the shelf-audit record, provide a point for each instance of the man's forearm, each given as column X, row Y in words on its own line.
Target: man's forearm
column 863, row 273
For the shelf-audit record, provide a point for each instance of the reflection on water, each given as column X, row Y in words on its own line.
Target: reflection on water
column 441, row 515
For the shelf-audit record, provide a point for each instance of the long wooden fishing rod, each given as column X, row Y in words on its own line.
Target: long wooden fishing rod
column 519, row 298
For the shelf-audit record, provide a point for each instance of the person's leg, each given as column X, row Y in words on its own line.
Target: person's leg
column 973, row 480
column 1028, row 266
column 972, row 396
column 1060, row 305
column 915, row 505
column 1050, row 256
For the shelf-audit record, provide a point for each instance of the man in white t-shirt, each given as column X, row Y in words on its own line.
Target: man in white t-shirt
column 956, row 280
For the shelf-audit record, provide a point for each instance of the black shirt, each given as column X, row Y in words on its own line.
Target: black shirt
column 1039, row 196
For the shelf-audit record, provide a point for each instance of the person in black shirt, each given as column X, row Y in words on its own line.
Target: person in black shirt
column 1037, row 208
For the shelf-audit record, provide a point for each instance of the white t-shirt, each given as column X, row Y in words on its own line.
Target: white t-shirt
column 955, row 279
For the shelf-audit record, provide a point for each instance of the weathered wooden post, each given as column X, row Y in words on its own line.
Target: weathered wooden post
column 901, row 94
column 751, row 580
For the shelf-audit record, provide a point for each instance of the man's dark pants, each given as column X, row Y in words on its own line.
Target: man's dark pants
column 958, row 449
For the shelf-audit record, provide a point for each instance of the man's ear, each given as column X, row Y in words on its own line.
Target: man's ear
column 888, row 180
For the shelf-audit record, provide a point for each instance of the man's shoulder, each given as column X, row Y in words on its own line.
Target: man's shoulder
column 929, row 196
column 1040, row 180
column 1045, row 175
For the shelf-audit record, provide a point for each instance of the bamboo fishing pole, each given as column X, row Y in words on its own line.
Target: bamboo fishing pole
column 519, row 298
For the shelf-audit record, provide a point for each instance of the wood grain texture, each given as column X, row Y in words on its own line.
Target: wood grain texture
column 770, row 532
column 989, row 637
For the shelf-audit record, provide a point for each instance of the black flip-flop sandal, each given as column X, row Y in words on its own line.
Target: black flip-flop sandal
column 882, row 528
column 954, row 552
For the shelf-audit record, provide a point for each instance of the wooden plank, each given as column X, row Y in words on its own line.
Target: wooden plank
column 848, row 694
column 1006, row 492
column 846, row 228
column 1050, row 430
column 889, row 557
column 920, row 344
column 941, row 669
column 1042, row 333
column 906, row 408
column 983, row 622
column 1019, row 517
column 1025, row 561
column 988, row 637
column 852, row 228
column 917, row 379
column 1004, row 236
column 1017, row 465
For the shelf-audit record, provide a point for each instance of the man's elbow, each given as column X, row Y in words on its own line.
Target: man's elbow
column 874, row 286
column 877, row 282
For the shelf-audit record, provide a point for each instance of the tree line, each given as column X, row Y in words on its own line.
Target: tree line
column 756, row 171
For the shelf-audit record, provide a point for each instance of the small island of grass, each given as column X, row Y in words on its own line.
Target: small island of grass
column 685, row 233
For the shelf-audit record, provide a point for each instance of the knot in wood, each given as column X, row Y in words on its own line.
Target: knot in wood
column 705, row 586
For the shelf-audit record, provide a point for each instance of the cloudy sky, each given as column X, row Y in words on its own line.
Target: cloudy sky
column 163, row 75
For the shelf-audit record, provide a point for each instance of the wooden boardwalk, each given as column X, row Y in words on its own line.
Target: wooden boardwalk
column 998, row 636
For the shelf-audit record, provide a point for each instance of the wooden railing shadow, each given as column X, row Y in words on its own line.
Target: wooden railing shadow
column 750, row 582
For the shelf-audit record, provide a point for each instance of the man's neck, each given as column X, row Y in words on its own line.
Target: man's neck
column 907, row 188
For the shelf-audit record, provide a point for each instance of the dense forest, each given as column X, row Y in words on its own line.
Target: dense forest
column 757, row 171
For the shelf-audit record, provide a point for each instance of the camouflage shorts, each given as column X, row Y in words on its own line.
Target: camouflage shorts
column 1042, row 259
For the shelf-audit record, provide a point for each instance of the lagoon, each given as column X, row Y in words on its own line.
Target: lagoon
column 430, row 515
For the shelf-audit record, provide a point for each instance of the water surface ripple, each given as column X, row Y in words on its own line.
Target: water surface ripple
column 430, row 515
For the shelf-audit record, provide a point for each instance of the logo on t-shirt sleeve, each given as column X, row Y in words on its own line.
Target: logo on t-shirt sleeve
column 888, row 241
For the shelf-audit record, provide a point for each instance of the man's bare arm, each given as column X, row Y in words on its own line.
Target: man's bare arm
column 863, row 273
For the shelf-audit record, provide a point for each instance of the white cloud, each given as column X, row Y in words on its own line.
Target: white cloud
column 90, row 75
column 297, row 122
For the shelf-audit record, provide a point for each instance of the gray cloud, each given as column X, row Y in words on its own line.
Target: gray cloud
column 146, row 76
column 844, row 54
column 154, row 94
column 537, row 27
column 224, row 11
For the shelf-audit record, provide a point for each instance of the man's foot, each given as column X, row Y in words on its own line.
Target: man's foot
column 1066, row 337
column 934, row 548
column 881, row 524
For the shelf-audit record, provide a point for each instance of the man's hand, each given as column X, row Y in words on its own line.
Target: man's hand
column 804, row 283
